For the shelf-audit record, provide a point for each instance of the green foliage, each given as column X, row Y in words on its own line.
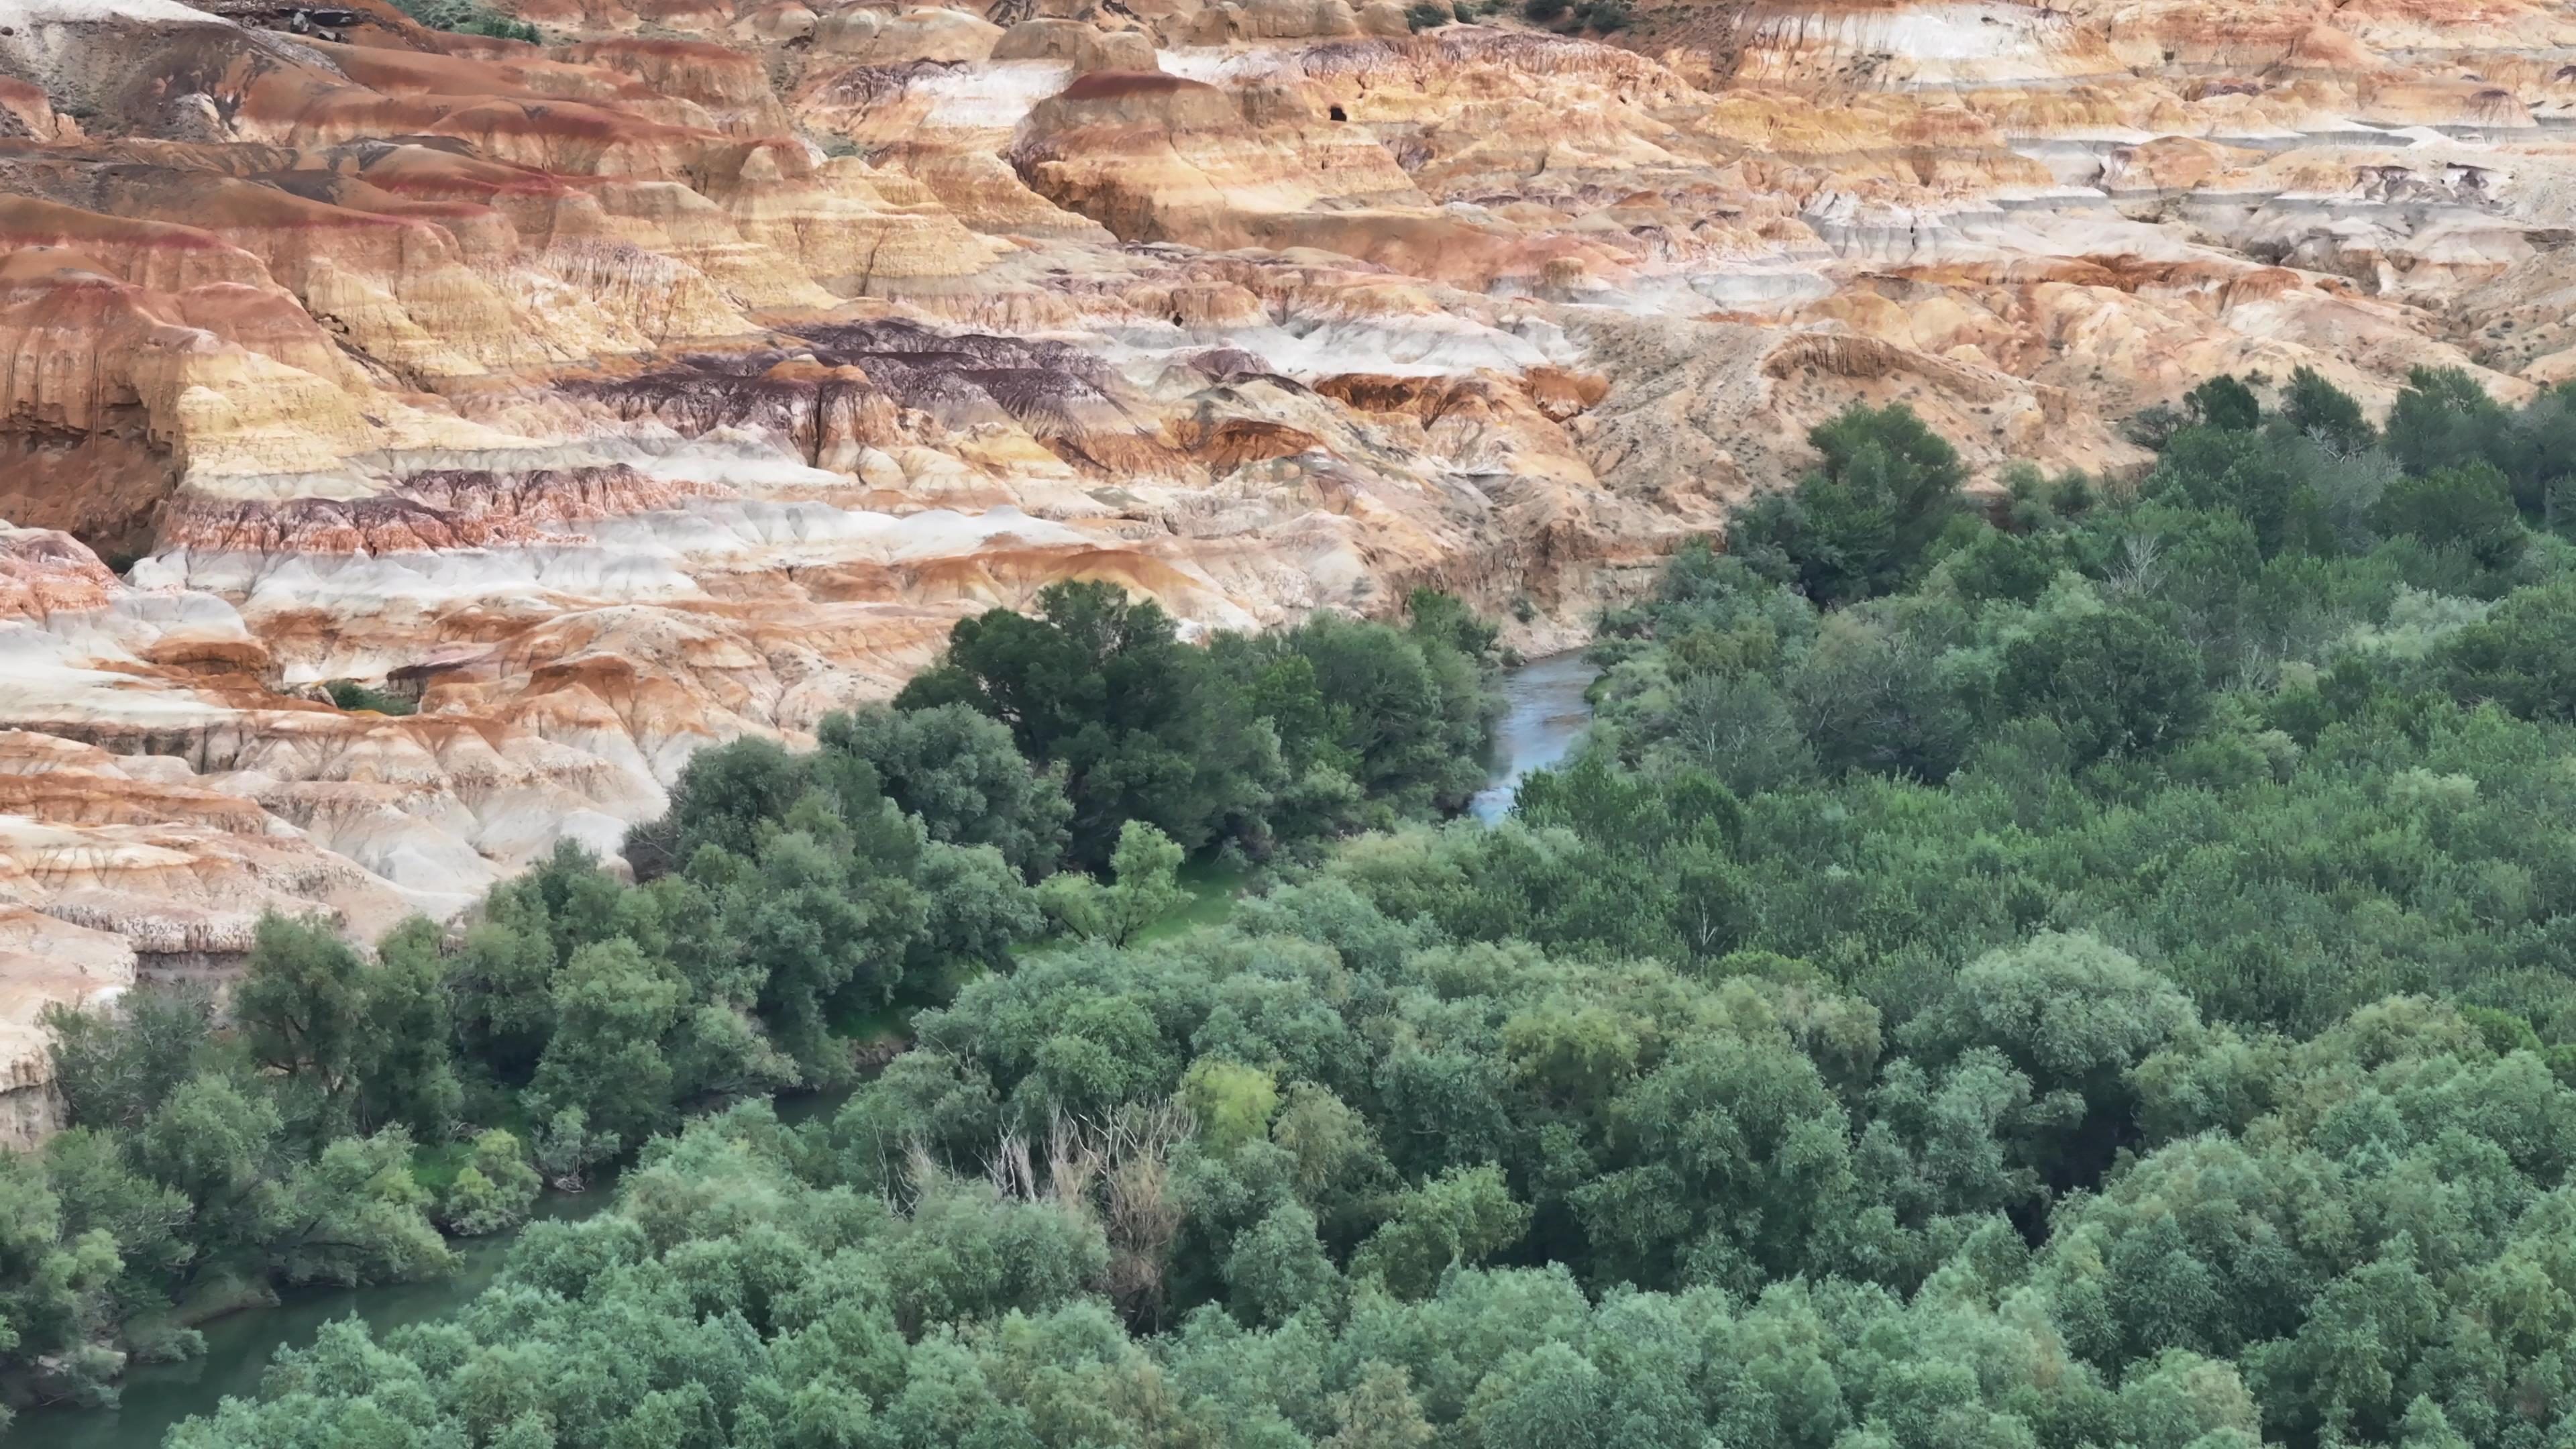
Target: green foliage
column 1103, row 687
column 2113, row 682
column 2522, row 656
column 1864, row 524
column 1425, row 16
column 1232, row 1103
column 813, row 926
column 116, row 1069
column 301, row 1004
column 191, row 1160
column 959, row 772
column 2365, row 1253
column 1256, row 742
column 612, row 1007
column 730, row 797
column 2468, row 508
column 409, row 1029
column 55, row 1283
column 1278, row 1269
column 2224, row 403
column 565, row 1147
column 2443, row 420
column 494, row 1190
column 350, row 695
column 2068, row 1011
column 1460, row 1218
column 1145, row 887
column 469, row 17
column 2316, row 408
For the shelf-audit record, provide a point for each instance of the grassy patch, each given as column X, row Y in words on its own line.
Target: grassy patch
column 876, row 1023
column 1213, row 886
column 435, row 1166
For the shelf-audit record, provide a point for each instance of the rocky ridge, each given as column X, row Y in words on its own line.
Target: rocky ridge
column 688, row 371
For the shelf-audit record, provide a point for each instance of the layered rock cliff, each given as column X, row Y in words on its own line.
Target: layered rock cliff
column 687, row 371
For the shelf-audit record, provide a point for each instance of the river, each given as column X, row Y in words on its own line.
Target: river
column 239, row 1345
column 1544, row 713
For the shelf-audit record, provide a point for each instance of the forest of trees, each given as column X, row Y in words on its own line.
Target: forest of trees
column 340, row 1111
column 2088, row 965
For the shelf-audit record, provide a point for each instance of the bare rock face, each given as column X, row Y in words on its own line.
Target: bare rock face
column 687, row 372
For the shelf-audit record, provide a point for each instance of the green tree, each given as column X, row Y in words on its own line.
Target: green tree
column 501, row 987
column 2522, row 656
column 52, row 1289
column 1457, row 1219
column 2180, row 1397
column 354, row 1214
column 1146, row 889
column 1232, row 1102
column 216, row 1143
column 1140, row 722
column 2444, row 419
column 976, row 908
column 494, row 1189
column 2116, row 683
column 2001, row 566
column 728, row 795
column 815, row 928
column 960, row 772
column 1445, row 619
column 114, row 1067
column 965, row 1253
column 1277, row 1269
column 1865, row 522
column 2068, row 1009
column 613, row 1006
column 565, row 1147
column 2316, row 408
column 92, row 1176
column 2468, row 508
column 2074, row 1017
column 1407, row 714
column 1549, row 1398
column 1380, row 1412
column 410, row 1075
column 302, row 1004
column 2224, row 403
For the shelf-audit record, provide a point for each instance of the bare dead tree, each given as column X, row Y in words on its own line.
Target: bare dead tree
column 1010, row 1170
column 2139, row 573
column 1076, row 1157
column 903, row 1191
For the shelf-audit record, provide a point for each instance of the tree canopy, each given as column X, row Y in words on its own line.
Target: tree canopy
column 2088, row 970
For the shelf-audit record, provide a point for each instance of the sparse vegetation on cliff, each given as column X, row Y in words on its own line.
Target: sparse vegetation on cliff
column 469, row 17
column 351, row 695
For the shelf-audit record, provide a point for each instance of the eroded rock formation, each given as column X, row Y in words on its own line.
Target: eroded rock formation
column 689, row 371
